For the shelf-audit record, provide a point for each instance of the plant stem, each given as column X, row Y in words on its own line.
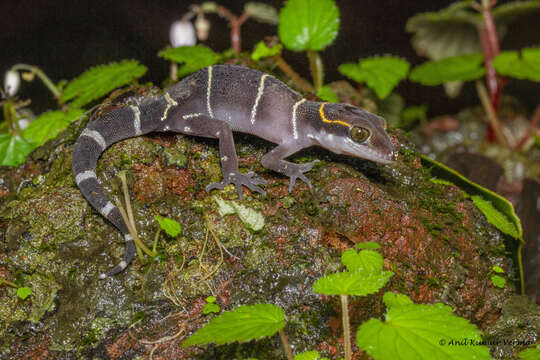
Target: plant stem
column 128, row 206
column 235, row 23
column 316, row 68
column 286, row 345
column 156, row 238
column 46, row 80
column 535, row 120
column 346, row 329
column 490, row 46
column 10, row 116
column 9, row 283
column 300, row 82
column 133, row 233
column 490, row 113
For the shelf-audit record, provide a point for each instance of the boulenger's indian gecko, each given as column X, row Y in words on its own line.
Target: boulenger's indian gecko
column 213, row 103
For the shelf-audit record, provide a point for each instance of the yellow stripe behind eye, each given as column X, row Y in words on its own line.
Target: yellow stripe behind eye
column 323, row 118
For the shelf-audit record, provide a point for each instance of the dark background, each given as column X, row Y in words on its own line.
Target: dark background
column 66, row 37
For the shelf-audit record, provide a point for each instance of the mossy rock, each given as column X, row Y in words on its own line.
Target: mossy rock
column 439, row 245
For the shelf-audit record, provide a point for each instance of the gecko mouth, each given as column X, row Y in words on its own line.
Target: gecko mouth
column 364, row 152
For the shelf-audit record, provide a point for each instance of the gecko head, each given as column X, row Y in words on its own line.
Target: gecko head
column 349, row 130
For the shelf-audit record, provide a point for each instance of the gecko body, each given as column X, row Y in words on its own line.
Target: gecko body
column 215, row 102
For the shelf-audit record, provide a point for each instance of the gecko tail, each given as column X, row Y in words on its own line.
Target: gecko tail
column 128, row 257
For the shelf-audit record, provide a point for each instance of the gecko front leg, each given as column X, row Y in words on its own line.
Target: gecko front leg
column 273, row 160
column 202, row 125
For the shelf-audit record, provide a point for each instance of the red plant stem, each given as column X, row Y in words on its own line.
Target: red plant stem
column 490, row 46
column 235, row 23
column 530, row 130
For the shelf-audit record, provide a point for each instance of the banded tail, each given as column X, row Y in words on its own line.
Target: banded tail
column 101, row 133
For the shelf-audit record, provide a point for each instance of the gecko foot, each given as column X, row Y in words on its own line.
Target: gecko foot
column 297, row 172
column 238, row 179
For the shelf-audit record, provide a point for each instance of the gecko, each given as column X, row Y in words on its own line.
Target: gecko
column 216, row 101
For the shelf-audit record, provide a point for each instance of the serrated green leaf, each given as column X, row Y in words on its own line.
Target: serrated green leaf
column 498, row 281
column 262, row 12
column 529, row 354
column 501, row 204
column 419, row 331
column 261, row 50
column 210, row 308
column 170, row 226
column 498, row 269
column 327, row 94
column 368, row 245
column 381, row 73
column 365, row 260
column 393, row 300
column 24, row 292
column 100, row 80
column 193, row 57
column 506, row 13
column 526, row 67
column 307, row 355
column 495, row 217
column 13, row 149
column 308, row 24
column 49, row 124
column 359, row 283
column 245, row 323
column 456, row 68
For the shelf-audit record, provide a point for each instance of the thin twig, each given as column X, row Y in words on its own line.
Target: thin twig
column 490, row 113
column 346, row 328
column 299, row 81
column 129, row 209
column 286, row 345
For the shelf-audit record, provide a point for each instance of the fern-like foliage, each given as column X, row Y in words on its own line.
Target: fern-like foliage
column 100, row 80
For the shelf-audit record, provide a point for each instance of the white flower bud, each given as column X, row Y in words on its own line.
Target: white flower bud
column 203, row 27
column 182, row 34
column 12, row 82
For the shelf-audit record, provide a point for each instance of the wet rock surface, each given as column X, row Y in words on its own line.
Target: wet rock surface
column 439, row 245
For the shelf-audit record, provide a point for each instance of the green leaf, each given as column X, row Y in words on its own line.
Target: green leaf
column 211, row 299
column 393, row 300
column 262, row 12
column 501, row 204
column 170, row 226
column 307, row 355
column 327, row 94
column 245, row 323
column 251, row 218
column 358, row 283
column 261, row 50
column 308, row 24
column 410, row 115
column 498, row 269
column 419, row 331
column 529, row 354
column 364, row 260
column 193, row 57
column 368, row 245
column 498, row 281
column 495, row 217
column 49, row 124
column 100, row 80
column 526, row 67
column 381, row 73
column 504, row 14
column 455, row 68
column 24, row 292
column 13, row 149
column 210, row 308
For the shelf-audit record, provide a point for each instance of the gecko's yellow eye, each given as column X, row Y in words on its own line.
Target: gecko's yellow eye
column 360, row 134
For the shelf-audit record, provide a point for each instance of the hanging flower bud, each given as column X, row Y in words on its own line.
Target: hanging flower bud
column 203, row 27
column 12, row 82
column 182, row 34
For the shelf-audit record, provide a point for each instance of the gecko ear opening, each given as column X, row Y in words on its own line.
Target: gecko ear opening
column 360, row 134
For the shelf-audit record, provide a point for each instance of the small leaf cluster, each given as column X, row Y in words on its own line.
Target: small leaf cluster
column 93, row 84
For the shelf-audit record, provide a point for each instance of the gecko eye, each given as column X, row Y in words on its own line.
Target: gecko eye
column 359, row 134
